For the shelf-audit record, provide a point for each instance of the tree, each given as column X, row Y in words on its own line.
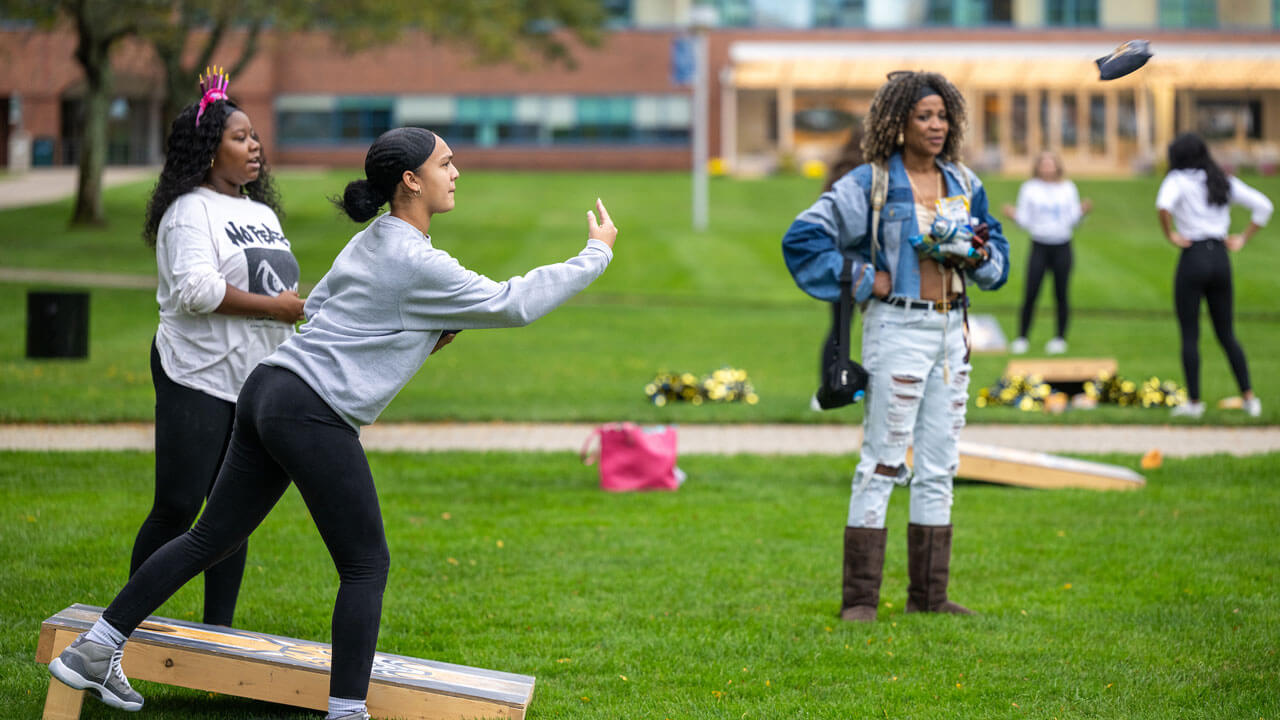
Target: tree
column 495, row 30
column 99, row 25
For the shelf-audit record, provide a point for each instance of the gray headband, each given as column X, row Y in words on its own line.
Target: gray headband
column 925, row 91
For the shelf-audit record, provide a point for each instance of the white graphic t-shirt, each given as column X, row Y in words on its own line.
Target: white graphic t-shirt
column 206, row 241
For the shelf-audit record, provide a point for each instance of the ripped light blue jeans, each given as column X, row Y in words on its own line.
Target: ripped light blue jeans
column 916, row 397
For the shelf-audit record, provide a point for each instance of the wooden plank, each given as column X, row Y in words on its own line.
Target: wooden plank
column 295, row 672
column 1062, row 369
column 1042, row 471
column 63, row 702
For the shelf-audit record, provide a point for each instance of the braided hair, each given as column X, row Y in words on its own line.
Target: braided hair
column 189, row 153
column 891, row 110
column 1188, row 152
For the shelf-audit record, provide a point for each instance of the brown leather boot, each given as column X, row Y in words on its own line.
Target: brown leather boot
column 863, row 568
column 928, row 567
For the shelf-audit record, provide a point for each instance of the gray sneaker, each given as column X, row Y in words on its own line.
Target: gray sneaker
column 86, row 665
column 357, row 715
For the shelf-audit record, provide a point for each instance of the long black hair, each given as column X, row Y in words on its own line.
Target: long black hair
column 189, row 153
column 394, row 151
column 1188, row 152
column 891, row 107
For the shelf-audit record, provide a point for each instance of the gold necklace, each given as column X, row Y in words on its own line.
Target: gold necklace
column 915, row 192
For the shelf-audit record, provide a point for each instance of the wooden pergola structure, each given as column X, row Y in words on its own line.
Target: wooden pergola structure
column 1021, row 97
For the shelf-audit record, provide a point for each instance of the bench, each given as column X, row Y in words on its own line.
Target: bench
column 282, row 670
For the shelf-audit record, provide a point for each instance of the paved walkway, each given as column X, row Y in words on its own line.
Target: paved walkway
column 1178, row 441
column 45, row 185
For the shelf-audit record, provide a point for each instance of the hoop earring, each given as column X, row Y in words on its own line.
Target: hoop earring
column 901, row 139
column 211, row 161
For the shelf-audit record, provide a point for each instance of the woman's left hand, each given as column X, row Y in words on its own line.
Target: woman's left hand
column 1234, row 242
column 445, row 339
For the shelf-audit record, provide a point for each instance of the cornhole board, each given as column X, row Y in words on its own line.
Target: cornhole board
column 282, row 670
column 1062, row 370
column 1025, row 468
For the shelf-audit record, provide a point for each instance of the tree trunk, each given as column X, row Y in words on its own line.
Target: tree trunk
column 93, row 51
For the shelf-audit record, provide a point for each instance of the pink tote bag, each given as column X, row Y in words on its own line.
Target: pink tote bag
column 634, row 458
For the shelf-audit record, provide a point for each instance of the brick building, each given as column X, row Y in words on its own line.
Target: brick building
column 788, row 78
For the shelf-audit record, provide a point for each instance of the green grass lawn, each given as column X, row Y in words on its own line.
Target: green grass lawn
column 672, row 300
column 720, row 600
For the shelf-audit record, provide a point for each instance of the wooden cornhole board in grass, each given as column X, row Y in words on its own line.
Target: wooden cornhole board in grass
column 1043, row 471
column 282, row 670
column 1062, row 370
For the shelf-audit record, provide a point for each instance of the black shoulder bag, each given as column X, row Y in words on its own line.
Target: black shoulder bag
column 844, row 382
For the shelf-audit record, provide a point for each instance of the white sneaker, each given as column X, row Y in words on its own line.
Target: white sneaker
column 1056, row 346
column 1019, row 346
column 1189, row 409
column 1253, row 406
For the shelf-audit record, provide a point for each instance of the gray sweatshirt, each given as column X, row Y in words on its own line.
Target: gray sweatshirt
column 376, row 315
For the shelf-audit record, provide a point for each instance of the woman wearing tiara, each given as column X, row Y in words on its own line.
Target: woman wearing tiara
column 228, row 296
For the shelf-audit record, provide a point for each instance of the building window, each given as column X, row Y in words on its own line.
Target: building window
column 1071, row 13
column 842, row 13
column 361, row 119
column 1126, row 116
column 1070, row 121
column 1097, row 124
column 791, row 14
column 1188, row 13
column 968, row 13
column 1019, row 113
column 617, row 13
column 1227, row 119
column 489, row 120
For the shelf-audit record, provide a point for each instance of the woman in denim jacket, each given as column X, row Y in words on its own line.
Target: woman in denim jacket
column 930, row 246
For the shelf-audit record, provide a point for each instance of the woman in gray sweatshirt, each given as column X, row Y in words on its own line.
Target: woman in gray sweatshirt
column 388, row 302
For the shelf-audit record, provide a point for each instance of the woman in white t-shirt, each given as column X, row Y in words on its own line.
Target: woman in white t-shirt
column 1049, row 207
column 1195, row 202
column 228, row 295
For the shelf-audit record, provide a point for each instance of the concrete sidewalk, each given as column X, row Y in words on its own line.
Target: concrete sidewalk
column 1181, row 441
column 38, row 186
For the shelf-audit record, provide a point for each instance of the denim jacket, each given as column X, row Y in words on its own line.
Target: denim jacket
column 839, row 225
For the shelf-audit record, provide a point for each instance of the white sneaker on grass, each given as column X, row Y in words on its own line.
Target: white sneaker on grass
column 1189, row 409
column 1019, row 346
column 87, row 665
column 1056, row 346
column 1253, row 406
column 357, row 715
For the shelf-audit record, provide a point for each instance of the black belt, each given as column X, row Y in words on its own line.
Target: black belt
column 957, row 304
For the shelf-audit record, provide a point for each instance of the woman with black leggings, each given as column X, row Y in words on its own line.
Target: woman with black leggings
column 389, row 301
column 1194, row 203
column 1049, row 208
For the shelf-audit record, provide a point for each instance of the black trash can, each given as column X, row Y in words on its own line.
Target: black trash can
column 57, row 324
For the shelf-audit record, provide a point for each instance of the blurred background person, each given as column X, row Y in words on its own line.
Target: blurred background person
column 1194, row 210
column 1048, row 208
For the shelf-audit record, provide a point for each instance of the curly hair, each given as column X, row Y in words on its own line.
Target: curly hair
column 189, row 153
column 891, row 109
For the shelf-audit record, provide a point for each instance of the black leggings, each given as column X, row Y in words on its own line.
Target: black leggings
column 192, row 432
column 1204, row 271
column 1058, row 259
column 284, row 431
